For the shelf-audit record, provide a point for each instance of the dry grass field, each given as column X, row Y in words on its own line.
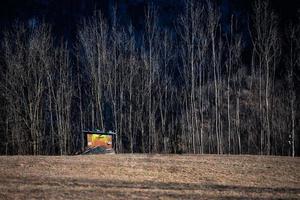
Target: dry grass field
column 141, row 176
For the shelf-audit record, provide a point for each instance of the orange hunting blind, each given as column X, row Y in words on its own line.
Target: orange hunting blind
column 100, row 140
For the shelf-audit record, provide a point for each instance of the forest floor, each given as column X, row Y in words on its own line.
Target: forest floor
column 141, row 176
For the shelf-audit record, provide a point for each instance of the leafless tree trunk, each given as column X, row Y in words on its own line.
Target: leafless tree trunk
column 267, row 45
column 150, row 62
column 292, row 63
column 213, row 26
column 26, row 61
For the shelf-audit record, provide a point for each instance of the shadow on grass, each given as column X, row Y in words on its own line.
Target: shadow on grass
column 69, row 188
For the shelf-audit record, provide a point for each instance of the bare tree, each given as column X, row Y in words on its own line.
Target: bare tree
column 213, row 28
column 265, row 37
column 292, row 63
column 150, row 54
column 93, row 37
column 233, row 44
column 27, row 57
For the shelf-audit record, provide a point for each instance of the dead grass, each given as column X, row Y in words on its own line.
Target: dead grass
column 141, row 176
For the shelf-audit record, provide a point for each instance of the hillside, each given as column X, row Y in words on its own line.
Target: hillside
column 140, row 176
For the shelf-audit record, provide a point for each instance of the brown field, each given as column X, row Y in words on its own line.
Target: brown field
column 141, row 176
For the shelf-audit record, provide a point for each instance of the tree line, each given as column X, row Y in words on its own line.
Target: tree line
column 200, row 87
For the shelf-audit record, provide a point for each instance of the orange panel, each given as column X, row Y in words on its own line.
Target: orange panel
column 95, row 140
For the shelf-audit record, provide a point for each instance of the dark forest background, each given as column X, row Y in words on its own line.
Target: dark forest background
column 186, row 77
